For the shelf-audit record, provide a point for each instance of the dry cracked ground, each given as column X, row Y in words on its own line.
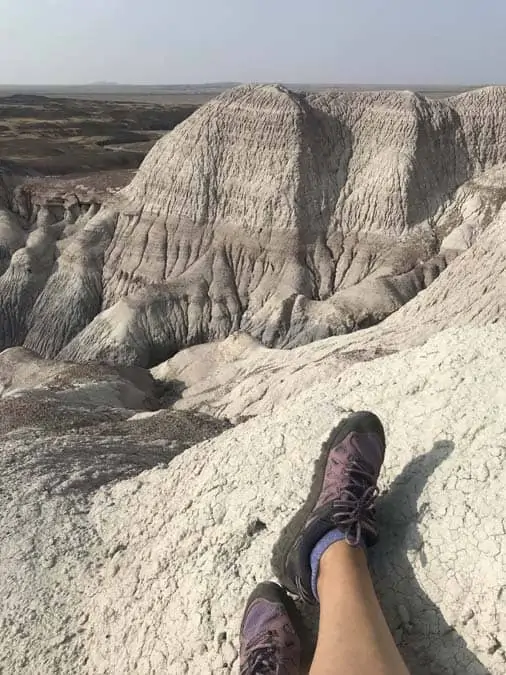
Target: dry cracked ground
column 175, row 352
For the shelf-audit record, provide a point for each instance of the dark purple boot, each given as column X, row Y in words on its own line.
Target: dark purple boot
column 342, row 497
column 269, row 643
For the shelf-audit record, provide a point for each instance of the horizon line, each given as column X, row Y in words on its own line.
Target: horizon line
column 225, row 83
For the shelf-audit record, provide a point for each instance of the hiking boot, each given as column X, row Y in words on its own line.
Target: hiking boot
column 342, row 497
column 269, row 642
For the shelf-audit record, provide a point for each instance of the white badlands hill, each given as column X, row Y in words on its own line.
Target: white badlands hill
column 291, row 217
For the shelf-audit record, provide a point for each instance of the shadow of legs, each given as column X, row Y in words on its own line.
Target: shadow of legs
column 427, row 642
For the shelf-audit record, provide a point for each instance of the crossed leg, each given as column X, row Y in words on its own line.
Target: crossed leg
column 353, row 637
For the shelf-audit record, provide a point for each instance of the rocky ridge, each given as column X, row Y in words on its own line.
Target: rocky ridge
column 240, row 377
column 290, row 217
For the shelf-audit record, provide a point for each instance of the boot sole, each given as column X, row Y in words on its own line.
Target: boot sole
column 360, row 422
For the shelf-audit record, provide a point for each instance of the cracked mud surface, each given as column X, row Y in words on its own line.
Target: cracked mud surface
column 138, row 569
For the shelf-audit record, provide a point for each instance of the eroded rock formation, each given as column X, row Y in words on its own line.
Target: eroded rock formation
column 290, row 217
column 239, row 377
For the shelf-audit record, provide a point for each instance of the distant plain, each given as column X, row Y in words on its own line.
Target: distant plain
column 178, row 94
column 82, row 130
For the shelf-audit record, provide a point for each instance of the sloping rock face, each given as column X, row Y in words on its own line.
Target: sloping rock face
column 290, row 217
column 112, row 559
column 240, row 377
column 65, row 431
column 38, row 218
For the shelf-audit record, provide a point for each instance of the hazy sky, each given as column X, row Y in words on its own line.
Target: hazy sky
column 192, row 41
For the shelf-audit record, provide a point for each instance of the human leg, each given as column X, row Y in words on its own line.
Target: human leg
column 320, row 554
column 353, row 636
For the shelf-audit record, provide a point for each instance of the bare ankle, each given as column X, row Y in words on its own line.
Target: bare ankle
column 338, row 555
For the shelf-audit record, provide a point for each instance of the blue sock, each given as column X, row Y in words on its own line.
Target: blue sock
column 327, row 540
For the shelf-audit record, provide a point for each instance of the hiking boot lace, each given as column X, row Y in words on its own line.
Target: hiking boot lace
column 353, row 512
column 266, row 658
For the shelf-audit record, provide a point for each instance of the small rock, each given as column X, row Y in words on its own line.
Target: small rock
column 49, row 562
column 255, row 527
column 221, row 638
column 467, row 617
column 229, row 653
column 494, row 645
